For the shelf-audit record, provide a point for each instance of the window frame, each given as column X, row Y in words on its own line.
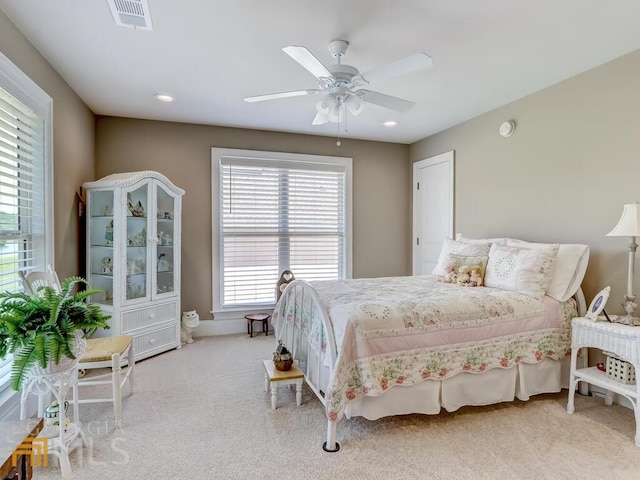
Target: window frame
column 20, row 86
column 216, row 155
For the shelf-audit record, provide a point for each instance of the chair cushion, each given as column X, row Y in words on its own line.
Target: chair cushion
column 101, row 349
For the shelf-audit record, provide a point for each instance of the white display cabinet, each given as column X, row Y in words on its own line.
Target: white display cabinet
column 133, row 256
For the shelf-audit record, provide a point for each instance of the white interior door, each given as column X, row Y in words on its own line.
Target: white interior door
column 433, row 183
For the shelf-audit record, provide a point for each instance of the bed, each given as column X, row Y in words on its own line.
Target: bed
column 377, row 347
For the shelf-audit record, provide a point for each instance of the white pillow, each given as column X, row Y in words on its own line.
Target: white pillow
column 516, row 269
column 551, row 252
column 450, row 247
column 571, row 265
column 501, row 241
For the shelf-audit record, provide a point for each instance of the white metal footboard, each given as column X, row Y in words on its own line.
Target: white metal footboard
column 302, row 323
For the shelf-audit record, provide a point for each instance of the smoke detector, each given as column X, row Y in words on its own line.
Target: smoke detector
column 131, row 13
column 507, row 128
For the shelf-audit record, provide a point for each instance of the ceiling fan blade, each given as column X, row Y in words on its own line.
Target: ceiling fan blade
column 386, row 101
column 308, row 61
column 407, row 65
column 273, row 96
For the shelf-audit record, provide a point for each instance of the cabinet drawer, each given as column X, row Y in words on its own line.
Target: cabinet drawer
column 156, row 341
column 145, row 317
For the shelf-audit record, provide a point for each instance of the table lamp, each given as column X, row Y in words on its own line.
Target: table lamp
column 629, row 226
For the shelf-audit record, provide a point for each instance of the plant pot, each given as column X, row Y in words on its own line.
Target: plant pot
column 283, row 365
column 66, row 363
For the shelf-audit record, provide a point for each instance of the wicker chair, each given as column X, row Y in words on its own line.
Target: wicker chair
column 114, row 353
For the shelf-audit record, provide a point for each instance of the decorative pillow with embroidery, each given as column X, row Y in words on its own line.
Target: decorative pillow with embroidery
column 551, row 252
column 568, row 272
column 517, row 269
column 450, row 247
column 476, row 267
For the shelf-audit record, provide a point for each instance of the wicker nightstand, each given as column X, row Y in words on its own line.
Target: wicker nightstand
column 623, row 341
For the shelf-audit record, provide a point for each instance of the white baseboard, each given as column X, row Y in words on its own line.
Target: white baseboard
column 225, row 323
column 220, row 327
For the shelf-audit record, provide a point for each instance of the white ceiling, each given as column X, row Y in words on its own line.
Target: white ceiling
column 211, row 54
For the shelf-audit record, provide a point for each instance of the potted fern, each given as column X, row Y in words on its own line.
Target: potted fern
column 47, row 329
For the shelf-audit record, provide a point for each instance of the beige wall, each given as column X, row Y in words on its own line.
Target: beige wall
column 182, row 152
column 563, row 176
column 73, row 144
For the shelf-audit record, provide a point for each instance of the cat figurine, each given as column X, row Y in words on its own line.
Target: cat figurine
column 190, row 321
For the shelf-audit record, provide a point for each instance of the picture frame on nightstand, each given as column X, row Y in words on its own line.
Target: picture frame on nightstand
column 597, row 304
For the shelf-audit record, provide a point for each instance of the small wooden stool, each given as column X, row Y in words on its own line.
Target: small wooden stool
column 258, row 317
column 273, row 377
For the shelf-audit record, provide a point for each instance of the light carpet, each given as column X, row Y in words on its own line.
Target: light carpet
column 202, row 413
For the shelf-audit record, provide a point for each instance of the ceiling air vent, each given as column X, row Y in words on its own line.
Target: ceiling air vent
column 131, row 13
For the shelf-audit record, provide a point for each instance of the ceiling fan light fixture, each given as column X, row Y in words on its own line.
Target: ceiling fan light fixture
column 330, row 110
column 323, row 107
column 320, row 119
column 335, row 113
column 354, row 104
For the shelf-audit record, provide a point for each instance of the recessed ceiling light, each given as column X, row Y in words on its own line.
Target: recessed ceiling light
column 390, row 123
column 163, row 97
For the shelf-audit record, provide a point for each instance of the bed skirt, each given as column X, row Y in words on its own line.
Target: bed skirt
column 494, row 386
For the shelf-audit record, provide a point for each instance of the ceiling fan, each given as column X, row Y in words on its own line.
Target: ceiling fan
column 342, row 84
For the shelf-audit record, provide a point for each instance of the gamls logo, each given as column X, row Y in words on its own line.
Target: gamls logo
column 34, row 447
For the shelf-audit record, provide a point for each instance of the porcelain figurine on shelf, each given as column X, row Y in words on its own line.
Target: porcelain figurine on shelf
column 136, row 210
column 107, row 265
column 163, row 263
column 109, row 233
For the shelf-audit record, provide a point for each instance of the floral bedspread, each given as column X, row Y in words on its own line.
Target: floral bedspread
column 406, row 330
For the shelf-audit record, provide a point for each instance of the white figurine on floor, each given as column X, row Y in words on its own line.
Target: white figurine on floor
column 190, row 321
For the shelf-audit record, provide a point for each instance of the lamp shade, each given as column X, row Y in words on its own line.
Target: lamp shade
column 629, row 223
column 354, row 104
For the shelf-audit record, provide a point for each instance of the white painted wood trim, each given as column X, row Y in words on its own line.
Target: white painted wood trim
column 218, row 153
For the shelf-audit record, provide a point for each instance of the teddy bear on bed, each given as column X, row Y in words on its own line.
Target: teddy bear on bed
column 450, row 273
column 463, row 275
column 475, row 279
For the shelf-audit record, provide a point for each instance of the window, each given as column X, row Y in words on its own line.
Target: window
column 26, row 197
column 277, row 211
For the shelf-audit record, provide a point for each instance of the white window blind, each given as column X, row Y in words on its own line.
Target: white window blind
column 25, row 182
column 278, row 214
column 21, row 190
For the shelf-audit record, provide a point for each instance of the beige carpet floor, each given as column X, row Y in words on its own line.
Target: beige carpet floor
column 202, row 413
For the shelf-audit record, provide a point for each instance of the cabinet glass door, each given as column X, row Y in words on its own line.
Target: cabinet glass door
column 136, row 231
column 101, row 227
column 165, row 230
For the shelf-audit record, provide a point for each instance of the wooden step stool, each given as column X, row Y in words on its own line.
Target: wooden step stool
column 273, row 377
